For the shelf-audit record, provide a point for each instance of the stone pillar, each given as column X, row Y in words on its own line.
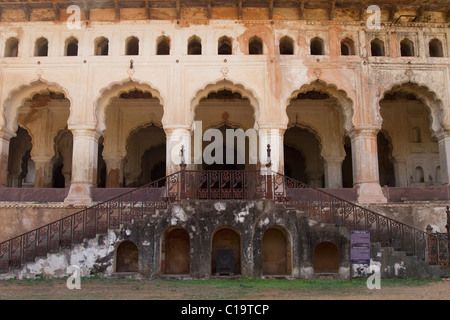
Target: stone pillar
column 177, row 137
column 333, row 172
column 5, row 137
column 444, row 154
column 274, row 137
column 84, row 166
column 401, row 178
column 365, row 165
column 43, row 171
column 113, row 171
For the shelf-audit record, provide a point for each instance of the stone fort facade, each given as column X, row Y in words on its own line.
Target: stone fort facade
column 107, row 104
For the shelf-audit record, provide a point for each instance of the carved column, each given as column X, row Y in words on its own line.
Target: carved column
column 365, row 165
column 444, row 153
column 84, row 165
column 5, row 137
column 333, row 172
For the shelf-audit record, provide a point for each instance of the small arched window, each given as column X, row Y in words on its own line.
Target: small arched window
column 12, row 47
column 255, row 45
column 286, row 45
column 419, row 174
column 194, row 46
column 377, row 48
column 406, row 48
column 225, row 45
column 163, row 46
column 101, row 46
column 127, row 257
column 41, row 47
column 435, row 47
column 347, row 47
column 317, row 47
column 132, row 46
column 416, row 135
column 71, row 49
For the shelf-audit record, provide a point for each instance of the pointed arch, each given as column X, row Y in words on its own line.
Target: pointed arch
column 429, row 98
column 229, row 85
column 341, row 97
column 17, row 97
column 115, row 89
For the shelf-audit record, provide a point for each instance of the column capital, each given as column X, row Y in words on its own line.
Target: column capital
column 444, row 133
column 86, row 131
column 169, row 130
column 6, row 134
column 365, row 131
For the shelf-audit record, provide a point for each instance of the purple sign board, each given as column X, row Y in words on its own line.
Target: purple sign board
column 360, row 247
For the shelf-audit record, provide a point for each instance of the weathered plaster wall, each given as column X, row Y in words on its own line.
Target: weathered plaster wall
column 201, row 220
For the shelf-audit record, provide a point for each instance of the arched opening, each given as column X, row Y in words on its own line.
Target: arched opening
column 12, row 47
column 19, row 159
column 101, row 45
column 127, row 257
column 286, row 46
column 406, row 140
column 71, row 48
column 317, row 46
column 226, row 252
column 326, row 258
column 146, row 156
column 132, row 46
column 43, row 114
column 194, row 46
column 255, row 45
column 319, row 117
column 229, row 139
column 225, row 46
column 62, row 161
column 276, row 252
column 377, row 48
column 419, row 176
column 435, row 48
column 175, row 251
column 130, row 117
column 163, row 46
column 347, row 47
column 302, row 159
column 41, row 47
column 406, row 48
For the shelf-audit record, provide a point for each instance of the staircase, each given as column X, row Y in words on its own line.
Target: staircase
column 221, row 185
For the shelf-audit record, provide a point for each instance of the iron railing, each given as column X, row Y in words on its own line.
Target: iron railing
column 219, row 185
column 433, row 248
